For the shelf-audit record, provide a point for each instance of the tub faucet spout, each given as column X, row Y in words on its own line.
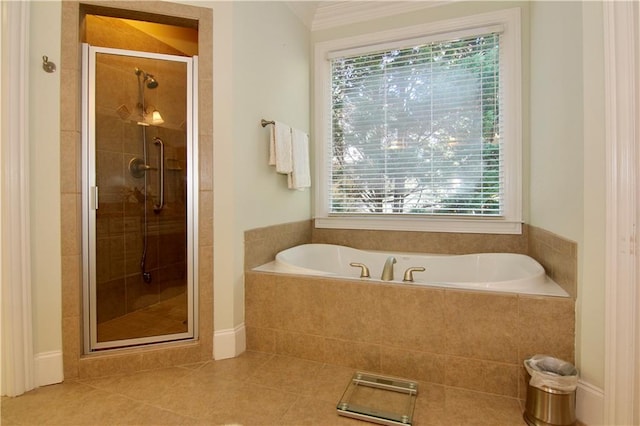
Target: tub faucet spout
column 387, row 272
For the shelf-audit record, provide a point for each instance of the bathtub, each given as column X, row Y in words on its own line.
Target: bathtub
column 500, row 272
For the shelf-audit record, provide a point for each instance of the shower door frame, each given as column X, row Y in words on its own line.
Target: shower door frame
column 90, row 196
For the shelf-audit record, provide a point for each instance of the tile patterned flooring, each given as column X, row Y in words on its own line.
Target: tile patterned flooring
column 252, row 389
column 166, row 317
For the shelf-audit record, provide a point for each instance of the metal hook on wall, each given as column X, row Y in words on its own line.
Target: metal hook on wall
column 48, row 66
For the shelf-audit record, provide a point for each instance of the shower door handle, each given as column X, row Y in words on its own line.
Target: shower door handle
column 95, row 198
column 157, row 208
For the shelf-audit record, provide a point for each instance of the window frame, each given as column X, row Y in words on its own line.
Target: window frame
column 511, row 84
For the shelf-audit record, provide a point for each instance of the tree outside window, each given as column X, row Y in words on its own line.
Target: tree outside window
column 416, row 130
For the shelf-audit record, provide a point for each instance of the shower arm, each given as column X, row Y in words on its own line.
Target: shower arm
column 157, row 208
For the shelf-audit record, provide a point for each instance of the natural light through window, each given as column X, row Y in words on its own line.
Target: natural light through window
column 421, row 130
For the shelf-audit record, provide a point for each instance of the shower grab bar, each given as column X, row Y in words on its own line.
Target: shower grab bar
column 157, row 208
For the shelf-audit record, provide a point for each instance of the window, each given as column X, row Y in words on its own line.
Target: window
column 422, row 132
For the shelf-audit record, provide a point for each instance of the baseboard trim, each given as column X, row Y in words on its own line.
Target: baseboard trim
column 229, row 343
column 48, row 368
column 589, row 404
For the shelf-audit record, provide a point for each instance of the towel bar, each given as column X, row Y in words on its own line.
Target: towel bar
column 265, row 123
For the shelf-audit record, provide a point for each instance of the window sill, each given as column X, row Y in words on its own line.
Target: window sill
column 457, row 225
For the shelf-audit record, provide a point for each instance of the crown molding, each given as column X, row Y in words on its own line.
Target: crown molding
column 338, row 13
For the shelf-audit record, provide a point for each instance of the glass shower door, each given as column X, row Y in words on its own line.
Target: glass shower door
column 138, row 198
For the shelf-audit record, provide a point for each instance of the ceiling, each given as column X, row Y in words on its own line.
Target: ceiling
column 319, row 15
column 305, row 10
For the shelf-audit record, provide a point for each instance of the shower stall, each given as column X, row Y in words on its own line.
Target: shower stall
column 139, row 198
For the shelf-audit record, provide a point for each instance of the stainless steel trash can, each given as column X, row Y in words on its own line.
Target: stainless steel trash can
column 548, row 407
column 551, row 393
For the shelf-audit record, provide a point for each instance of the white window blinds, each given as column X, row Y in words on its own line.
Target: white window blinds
column 416, row 130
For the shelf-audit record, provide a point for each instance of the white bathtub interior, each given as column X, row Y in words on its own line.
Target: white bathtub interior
column 498, row 272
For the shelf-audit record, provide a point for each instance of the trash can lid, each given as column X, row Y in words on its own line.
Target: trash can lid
column 549, row 365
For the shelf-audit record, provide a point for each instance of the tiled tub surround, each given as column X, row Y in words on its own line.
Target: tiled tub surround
column 465, row 339
column 557, row 255
column 262, row 244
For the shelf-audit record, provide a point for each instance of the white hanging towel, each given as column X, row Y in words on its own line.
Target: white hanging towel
column 300, row 176
column 280, row 148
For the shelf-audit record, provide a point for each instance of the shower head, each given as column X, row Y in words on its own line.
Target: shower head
column 152, row 83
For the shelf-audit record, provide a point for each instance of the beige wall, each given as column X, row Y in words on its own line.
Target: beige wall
column 269, row 67
column 590, row 341
column 44, row 146
column 567, row 155
column 556, row 117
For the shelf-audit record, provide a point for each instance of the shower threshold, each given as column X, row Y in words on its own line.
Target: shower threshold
column 379, row 399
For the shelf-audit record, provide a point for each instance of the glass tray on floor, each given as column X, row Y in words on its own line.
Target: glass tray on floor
column 379, row 399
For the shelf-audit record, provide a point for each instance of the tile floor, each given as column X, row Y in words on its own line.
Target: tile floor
column 165, row 317
column 253, row 389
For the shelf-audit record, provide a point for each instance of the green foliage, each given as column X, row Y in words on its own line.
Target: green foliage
column 402, row 145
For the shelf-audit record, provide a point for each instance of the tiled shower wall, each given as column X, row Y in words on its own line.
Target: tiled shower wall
column 120, row 224
column 465, row 339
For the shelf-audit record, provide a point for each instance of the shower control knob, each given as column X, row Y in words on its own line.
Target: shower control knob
column 137, row 167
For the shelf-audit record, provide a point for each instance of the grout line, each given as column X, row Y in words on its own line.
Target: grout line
column 290, row 407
